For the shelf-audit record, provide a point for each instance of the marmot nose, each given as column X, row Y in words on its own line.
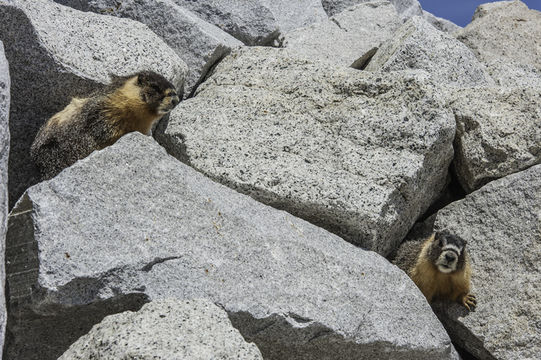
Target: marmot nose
column 450, row 257
column 174, row 101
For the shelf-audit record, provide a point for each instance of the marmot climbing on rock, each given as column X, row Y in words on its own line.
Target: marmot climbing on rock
column 129, row 103
column 439, row 266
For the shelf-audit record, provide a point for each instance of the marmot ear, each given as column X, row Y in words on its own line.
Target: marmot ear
column 142, row 78
column 444, row 232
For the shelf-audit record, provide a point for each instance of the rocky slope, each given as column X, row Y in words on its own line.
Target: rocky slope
column 159, row 229
column 358, row 153
column 344, row 36
column 254, row 222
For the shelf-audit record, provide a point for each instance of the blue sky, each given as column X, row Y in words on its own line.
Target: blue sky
column 461, row 11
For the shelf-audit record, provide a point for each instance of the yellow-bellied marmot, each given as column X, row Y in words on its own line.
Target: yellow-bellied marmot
column 129, row 103
column 439, row 266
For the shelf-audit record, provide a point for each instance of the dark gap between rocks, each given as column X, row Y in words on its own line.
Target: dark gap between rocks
column 47, row 335
column 420, row 231
column 7, row 333
column 362, row 62
column 465, row 338
column 176, row 150
column 204, row 76
column 156, row 261
column 464, row 354
column 453, row 192
column 271, row 40
column 278, row 339
column 338, row 24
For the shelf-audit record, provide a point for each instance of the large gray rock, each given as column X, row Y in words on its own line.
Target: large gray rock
column 505, row 31
column 4, row 153
column 55, row 53
column 258, row 22
column 250, row 21
column 199, row 44
column 131, row 224
column 498, row 133
column 346, row 36
column 295, row 14
column 440, row 23
column 510, row 74
column 406, row 8
column 166, row 329
column 333, row 7
column 484, row 9
column 502, row 224
column 361, row 154
column 418, row 45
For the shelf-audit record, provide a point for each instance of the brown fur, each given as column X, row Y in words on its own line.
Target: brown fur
column 436, row 285
column 127, row 112
column 130, row 103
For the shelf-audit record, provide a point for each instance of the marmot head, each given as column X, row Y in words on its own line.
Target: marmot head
column 158, row 94
column 447, row 252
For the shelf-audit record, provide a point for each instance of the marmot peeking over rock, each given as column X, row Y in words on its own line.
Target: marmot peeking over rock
column 439, row 266
column 129, row 103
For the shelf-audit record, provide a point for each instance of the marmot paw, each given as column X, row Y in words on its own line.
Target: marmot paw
column 468, row 301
